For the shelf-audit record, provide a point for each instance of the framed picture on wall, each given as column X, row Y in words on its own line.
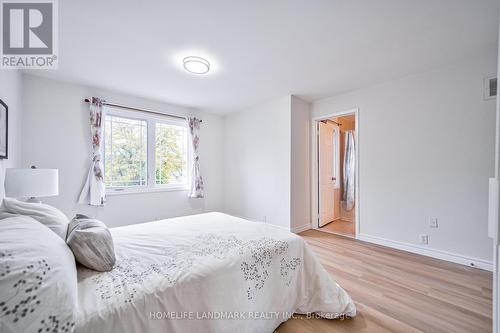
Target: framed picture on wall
column 4, row 134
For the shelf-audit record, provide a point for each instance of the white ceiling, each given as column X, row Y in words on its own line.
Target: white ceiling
column 263, row 49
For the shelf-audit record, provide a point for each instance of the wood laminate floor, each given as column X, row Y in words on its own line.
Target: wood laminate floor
column 397, row 291
column 342, row 227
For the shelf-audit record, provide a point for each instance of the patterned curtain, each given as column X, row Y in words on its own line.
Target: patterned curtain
column 94, row 190
column 196, row 188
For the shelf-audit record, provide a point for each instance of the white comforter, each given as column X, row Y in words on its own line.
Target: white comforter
column 206, row 273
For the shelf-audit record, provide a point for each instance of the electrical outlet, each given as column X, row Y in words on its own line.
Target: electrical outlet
column 433, row 222
column 424, row 239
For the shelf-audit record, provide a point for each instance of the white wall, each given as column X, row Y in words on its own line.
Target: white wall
column 10, row 93
column 257, row 161
column 300, row 165
column 56, row 135
column 426, row 149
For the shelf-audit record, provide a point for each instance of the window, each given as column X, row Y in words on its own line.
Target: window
column 125, row 142
column 143, row 152
column 170, row 153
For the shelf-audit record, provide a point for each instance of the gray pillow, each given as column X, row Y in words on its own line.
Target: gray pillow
column 91, row 243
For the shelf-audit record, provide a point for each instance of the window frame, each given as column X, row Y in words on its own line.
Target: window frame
column 151, row 120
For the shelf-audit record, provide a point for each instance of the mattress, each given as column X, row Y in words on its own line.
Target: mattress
column 206, row 273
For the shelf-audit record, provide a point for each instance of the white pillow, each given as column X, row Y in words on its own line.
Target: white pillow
column 47, row 215
column 38, row 284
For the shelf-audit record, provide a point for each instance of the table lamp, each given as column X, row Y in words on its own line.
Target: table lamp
column 31, row 183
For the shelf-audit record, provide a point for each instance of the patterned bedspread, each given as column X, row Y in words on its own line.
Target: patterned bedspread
column 206, row 273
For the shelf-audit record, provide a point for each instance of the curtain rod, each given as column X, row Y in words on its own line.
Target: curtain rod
column 86, row 100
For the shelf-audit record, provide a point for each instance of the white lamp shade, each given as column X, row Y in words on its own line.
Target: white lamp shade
column 26, row 183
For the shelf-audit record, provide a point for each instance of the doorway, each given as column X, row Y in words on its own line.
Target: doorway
column 335, row 194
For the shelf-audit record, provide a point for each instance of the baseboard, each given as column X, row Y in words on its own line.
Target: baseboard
column 301, row 228
column 429, row 252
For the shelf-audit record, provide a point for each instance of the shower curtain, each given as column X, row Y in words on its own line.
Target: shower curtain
column 349, row 171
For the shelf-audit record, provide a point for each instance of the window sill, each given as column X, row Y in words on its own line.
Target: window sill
column 145, row 190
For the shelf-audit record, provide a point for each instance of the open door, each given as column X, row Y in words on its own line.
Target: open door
column 494, row 216
column 328, row 171
column 494, row 227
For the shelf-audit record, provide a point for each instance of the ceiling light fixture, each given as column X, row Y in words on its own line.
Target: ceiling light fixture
column 196, row 65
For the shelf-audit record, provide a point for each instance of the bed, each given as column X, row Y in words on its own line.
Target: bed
column 206, row 273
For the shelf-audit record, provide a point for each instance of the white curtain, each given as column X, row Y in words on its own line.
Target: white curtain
column 94, row 190
column 196, row 186
column 348, row 196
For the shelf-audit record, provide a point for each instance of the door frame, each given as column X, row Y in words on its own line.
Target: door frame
column 315, row 166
